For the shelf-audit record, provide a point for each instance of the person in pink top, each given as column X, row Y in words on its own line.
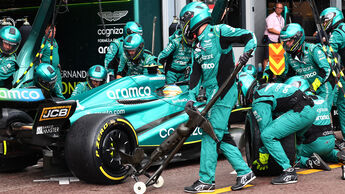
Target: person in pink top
column 274, row 23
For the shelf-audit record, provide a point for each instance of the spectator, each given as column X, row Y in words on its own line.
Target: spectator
column 274, row 24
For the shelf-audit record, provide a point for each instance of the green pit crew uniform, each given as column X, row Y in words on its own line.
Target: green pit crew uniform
column 112, row 58
column 139, row 66
column 213, row 63
column 82, row 87
column 337, row 42
column 7, row 69
column 313, row 66
column 320, row 137
column 177, row 56
column 55, row 63
column 54, row 92
column 296, row 116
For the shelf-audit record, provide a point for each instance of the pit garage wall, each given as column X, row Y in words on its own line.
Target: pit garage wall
column 144, row 14
column 259, row 16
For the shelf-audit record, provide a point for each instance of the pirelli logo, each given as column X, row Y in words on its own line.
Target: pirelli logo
column 56, row 112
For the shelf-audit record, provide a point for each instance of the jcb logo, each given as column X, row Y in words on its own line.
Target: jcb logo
column 57, row 112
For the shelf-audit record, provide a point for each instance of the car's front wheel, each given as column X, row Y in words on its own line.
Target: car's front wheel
column 93, row 144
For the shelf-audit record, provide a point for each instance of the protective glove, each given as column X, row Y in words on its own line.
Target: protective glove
column 264, row 79
column 316, row 84
column 189, row 105
column 244, row 58
column 262, row 162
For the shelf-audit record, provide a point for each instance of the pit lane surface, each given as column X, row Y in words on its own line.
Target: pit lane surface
column 176, row 177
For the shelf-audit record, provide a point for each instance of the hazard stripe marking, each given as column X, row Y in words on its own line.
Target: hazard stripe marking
column 226, row 189
column 310, row 171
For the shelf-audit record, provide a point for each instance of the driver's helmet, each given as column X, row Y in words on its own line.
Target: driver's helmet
column 247, row 85
column 293, row 32
column 331, row 17
column 171, row 90
column 133, row 46
column 9, row 40
column 132, row 27
column 251, row 69
column 96, row 73
column 192, row 17
column 298, row 82
column 45, row 76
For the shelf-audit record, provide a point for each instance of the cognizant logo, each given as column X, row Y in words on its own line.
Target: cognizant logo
column 21, row 94
column 132, row 92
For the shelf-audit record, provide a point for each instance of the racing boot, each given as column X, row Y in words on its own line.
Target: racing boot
column 340, row 145
column 341, row 157
column 243, row 180
column 316, row 162
column 288, row 176
column 199, row 187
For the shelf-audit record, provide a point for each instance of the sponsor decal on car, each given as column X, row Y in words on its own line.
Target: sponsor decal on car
column 25, row 95
column 56, row 112
column 132, row 92
column 164, row 133
column 47, row 129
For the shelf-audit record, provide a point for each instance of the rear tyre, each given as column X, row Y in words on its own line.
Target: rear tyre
column 93, row 144
column 15, row 156
column 253, row 143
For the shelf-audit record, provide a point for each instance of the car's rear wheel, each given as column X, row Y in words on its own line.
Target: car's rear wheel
column 14, row 154
column 93, row 144
column 253, row 143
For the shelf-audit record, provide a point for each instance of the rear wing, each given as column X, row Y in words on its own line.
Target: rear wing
column 21, row 98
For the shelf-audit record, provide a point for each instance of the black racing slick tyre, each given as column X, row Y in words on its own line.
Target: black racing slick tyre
column 253, row 143
column 15, row 155
column 92, row 148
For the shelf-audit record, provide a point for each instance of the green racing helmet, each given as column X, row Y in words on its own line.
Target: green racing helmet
column 9, row 40
column 132, row 27
column 247, row 85
column 293, row 32
column 298, row 82
column 192, row 17
column 45, row 76
column 133, row 46
column 96, row 73
column 331, row 17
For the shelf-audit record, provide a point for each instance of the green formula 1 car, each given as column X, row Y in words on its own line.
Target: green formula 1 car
column 88, row 131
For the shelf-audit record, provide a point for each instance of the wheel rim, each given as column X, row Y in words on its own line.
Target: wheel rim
column 114, row 141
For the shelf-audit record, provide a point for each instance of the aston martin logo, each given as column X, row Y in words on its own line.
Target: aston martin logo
column 112, row 16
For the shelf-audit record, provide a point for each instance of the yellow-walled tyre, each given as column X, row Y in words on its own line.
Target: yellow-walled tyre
column 92, row 148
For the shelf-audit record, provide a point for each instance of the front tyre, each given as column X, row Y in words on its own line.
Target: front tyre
column 93, row 144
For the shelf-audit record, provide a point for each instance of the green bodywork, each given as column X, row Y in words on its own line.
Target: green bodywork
column 139, row 100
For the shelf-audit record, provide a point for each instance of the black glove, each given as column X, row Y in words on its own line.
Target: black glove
column 189, row 105
column 244, row 58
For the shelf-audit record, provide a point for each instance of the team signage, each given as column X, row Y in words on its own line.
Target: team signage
column 276, row 58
